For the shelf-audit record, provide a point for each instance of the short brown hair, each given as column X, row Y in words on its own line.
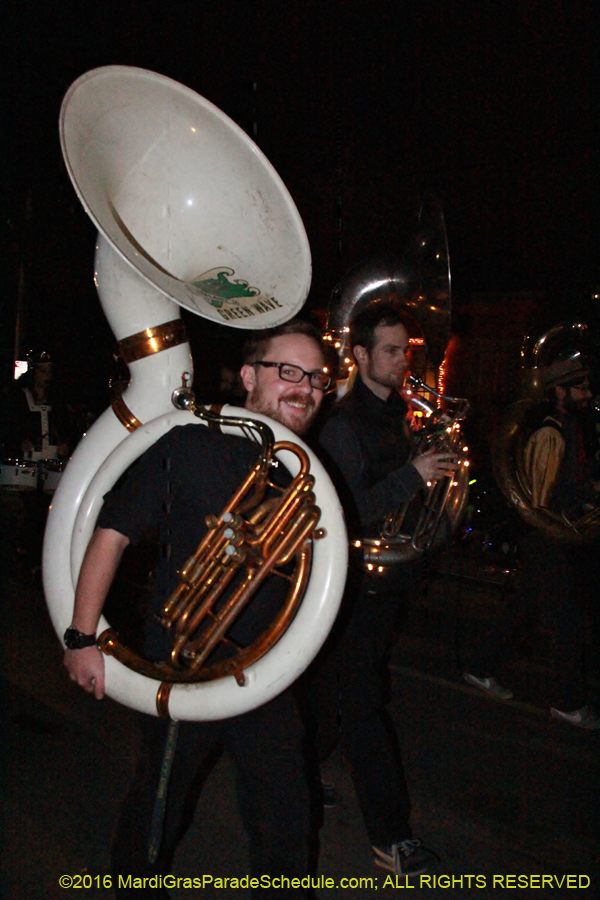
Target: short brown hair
column 256, row 345
column 362, row 327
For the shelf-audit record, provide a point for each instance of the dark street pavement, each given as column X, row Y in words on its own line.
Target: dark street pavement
column 498, row 788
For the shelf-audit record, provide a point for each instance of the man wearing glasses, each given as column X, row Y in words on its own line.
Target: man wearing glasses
column 277, row 385
column 190, row 472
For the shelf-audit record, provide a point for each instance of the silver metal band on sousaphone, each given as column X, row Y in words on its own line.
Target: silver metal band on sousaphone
column 190, row 213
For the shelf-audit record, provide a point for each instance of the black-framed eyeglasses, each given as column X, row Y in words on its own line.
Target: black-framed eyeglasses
column 320, row 381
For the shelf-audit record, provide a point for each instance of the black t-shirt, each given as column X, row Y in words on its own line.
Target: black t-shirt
column 189, row 473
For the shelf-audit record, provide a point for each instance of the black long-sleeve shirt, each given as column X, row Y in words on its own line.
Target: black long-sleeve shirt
column 366, row 447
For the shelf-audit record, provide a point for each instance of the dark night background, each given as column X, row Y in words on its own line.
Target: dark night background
column 361, row 107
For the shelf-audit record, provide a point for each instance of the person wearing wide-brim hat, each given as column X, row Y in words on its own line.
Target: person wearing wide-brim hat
column 559, row 479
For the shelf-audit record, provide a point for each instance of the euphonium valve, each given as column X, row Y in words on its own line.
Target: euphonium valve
column 443, row 498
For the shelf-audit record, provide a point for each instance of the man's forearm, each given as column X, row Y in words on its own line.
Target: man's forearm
column 98, row 569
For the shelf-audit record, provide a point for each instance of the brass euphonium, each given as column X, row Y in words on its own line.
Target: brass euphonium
column 419, row 284
column 445, row 498
column 263, row 530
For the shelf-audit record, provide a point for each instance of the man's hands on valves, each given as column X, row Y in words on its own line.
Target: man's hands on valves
column 433, row 464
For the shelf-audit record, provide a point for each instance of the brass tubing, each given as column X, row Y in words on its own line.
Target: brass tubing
column 276, row 520
column 296, row 505
column 234, row 665
column 196, row 566
column 284, row 617
column 291, row 539
column 200, row 605
column 152, row 340
column 208, row 570
column 393, row 522
column 162, row 671
column 124, row 415
column 192, row 594
column 163, row 695
column 236, row 604
column 206, row 541
column 297, row 451
column 221, row 622
column 299, row 522
column 294, row 496
column 211, row 561
column 274, row 533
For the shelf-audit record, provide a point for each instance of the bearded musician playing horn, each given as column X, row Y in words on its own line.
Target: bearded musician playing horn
column 190, row 472
column 559, row 478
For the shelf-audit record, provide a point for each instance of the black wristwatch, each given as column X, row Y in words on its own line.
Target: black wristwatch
column 77, row 640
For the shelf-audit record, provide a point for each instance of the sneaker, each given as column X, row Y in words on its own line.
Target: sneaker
column 492, row 687
column 329, row 795
column 405, row 858
column 581, row 718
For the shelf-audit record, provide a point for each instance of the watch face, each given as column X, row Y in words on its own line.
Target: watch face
column 76, row 640
column 71, row 635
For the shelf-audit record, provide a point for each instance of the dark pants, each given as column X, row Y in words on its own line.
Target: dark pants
column 266, row 746
column 548, row 594
column 349, row 687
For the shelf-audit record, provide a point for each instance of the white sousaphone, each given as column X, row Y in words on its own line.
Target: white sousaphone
column 190, row 213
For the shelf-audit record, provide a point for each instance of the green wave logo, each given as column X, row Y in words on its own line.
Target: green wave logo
column 219, row 290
